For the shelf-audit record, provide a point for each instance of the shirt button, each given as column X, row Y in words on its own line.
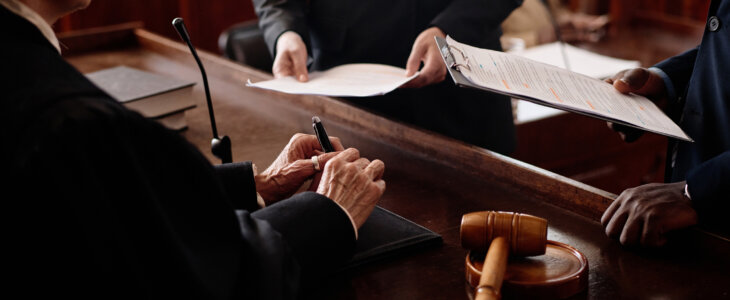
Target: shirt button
column 713, row 24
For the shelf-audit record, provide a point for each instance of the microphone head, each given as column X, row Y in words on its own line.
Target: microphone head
column 179, row 25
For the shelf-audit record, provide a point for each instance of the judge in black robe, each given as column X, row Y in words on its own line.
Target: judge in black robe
column 100, row 202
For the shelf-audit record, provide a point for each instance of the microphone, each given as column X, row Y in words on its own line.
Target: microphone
column 220, row 146
column 558, row 36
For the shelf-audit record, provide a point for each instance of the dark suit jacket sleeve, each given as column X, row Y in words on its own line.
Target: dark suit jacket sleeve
column 709, row 187
column 292, row 243
column 238, row 181
column 278, row 16
column 325, row 242
column 679, row 69
column 470, row 21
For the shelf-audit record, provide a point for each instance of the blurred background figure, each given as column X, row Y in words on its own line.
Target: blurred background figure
column 531, row 25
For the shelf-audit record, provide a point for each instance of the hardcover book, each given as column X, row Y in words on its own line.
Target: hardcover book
column 158, row 97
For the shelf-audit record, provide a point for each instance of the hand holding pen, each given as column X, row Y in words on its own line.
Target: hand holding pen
column 353, row 182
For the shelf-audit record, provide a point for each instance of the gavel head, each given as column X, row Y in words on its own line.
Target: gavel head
column 526, row 235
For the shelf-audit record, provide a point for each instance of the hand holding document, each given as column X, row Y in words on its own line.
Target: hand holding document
column 552, row 86
column 351, row 80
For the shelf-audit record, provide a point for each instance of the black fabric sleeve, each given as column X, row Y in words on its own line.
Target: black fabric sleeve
column 238, row 181
column 469, row 21
column 127, row 205
column 318, row 231
column 679, row 69
column 709, row 187
column 279, row 16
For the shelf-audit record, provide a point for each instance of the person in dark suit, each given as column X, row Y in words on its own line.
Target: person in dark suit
column 695, row 89
column 398, row 33
column 103, row 203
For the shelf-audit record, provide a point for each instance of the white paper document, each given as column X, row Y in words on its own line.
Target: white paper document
column 580, row 60
column 351, row 80
column 548, row 85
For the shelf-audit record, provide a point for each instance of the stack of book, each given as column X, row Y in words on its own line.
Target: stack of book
column 157, row 97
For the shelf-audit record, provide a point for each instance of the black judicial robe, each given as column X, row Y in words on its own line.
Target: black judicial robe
column 337, row 32
column 701, row 80
column 99, row 202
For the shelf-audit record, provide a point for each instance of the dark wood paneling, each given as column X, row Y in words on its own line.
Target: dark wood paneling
column 675, row 15
column 205, row 19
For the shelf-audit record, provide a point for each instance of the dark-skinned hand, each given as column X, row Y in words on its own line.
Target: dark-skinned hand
column 645, row 214
column 639, row 81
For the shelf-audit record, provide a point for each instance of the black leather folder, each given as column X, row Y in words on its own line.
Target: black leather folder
column 386, row 234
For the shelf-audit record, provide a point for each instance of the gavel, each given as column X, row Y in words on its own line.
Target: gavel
column 502, row 233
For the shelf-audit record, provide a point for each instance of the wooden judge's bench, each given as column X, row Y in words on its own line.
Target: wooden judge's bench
column 432, row 180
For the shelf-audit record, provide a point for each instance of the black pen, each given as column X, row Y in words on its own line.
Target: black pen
column 322, row 137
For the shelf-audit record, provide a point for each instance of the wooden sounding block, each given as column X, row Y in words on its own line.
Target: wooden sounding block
column 561, row 273
column 505, row 233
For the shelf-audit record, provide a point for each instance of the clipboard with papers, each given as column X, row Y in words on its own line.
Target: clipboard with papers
column 551, row 86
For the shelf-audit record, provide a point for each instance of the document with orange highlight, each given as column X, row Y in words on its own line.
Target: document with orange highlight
column 540, row 83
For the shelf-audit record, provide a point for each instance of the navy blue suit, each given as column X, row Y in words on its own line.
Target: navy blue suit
column 701, row 79
column 338, row 32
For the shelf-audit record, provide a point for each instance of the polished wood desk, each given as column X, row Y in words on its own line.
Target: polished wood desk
column 431, row 180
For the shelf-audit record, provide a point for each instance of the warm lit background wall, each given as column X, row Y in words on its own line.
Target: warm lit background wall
column 205, row 19
column 676, row 15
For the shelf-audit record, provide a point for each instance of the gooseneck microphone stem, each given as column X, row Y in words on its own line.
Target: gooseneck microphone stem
column 220, row 146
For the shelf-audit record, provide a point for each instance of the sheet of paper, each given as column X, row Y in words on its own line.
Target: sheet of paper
column 523, row 78
column 580, row 60
column 351, row 80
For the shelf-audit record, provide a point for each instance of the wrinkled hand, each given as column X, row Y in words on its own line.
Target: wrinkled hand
column 645, row 214
column 425, row 50
column 353, row 182
column 291, row 57
column 639, row 81
column 293, row 167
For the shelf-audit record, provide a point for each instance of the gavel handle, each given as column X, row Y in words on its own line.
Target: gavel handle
column 495, row 264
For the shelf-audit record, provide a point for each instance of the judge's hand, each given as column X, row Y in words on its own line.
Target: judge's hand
column 639, row 81
column 291, row 57
column 353, row 182
column 293, row 167
column 425, row 50
column 644, row 215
